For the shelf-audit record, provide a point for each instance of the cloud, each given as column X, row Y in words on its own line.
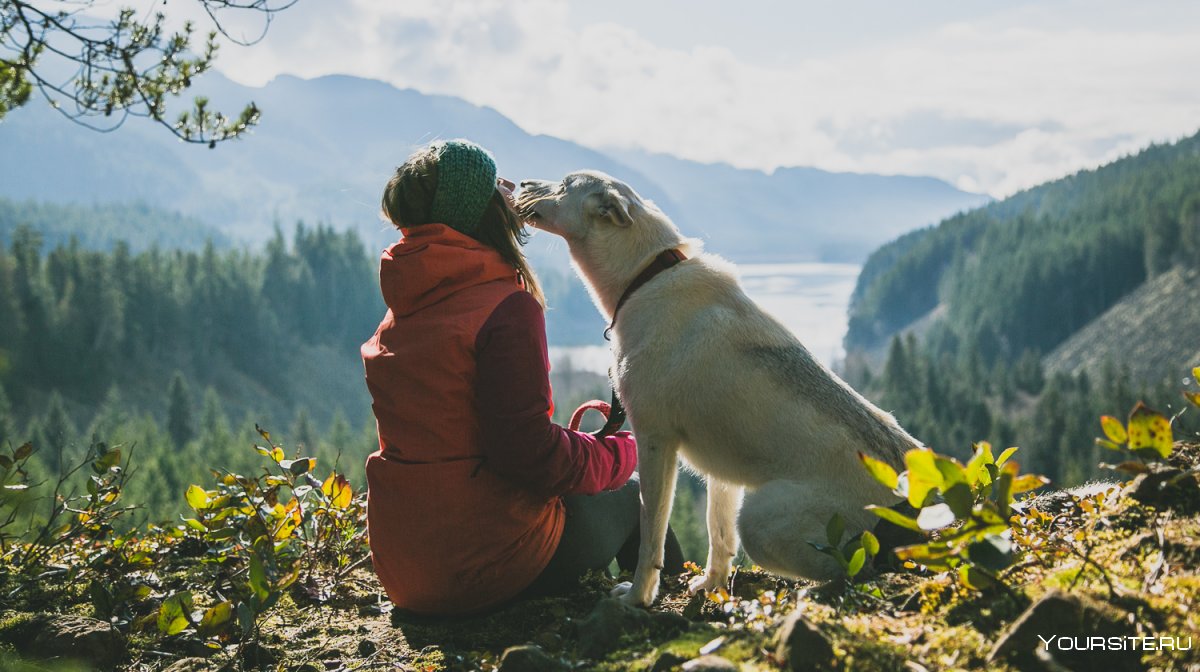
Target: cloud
column 997, row 102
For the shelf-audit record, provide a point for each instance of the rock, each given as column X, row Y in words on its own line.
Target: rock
column 801, row 646
column 1166, row 488
column 600, row 631
column 1058, row 632
column 709, row 663
column 530, row 658
column 75, row 637
column 367, row 647
column 189, row 665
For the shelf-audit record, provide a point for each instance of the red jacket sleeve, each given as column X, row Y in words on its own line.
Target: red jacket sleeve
column 512, row 396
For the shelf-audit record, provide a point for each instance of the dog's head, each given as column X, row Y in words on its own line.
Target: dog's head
column 585, row 204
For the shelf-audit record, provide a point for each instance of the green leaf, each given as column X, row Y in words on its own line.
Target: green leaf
column 195, row 524
column 976, row 469
column 196, row 497
column 1004, row 456
column 952, row 472
column 895, row 517
column 993, row 552
column 1105, row 443
column 258, row 578
column 973, row 578
column 245, row 618
column 23, row 452
column 834, row 529
column 1149, row 429
column 1113, row 429
column 856, row 562
column 960, row 499
column 871, row 543
column 923, row 476
column 107, row 460
column 880, row 471
column 172, row 618
column 301, row 466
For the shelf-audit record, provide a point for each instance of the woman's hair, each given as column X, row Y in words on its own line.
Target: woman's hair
column 408, row 199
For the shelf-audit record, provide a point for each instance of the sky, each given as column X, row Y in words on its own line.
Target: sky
column 991, row 96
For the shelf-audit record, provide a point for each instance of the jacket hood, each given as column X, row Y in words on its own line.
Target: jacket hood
column 432, row 262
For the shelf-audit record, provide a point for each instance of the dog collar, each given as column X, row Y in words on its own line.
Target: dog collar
column 661, row 262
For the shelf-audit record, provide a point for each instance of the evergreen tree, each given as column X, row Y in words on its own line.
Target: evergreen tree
column 8, row 425
column 180, row 423
column 58, row 430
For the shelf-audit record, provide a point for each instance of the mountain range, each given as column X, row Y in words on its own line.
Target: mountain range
column 326, row 146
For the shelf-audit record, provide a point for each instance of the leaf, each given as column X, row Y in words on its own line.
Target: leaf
column 923, row 475
column 973, row 578
column 993, row 552
column 960, row 499
column 1113, row 429
column 338, row 490
column 1027, row 482
column 107, row 460
column 245, row 618
column 24, row 451
column 834, row 529
column 301, row 466
column 1105, row 443
column 263, row 433
column 895, row 517
column 172, row 618
column 935, row 517
column 1193, row 397
column 880, row 471
column 1004, row 456
column 976, row 469
column 1196, row 374
column 215, row 617
column 952, row 472
column 196, row 497
column 6, row 462
column 1149, row 429
column 871, row 543
column 195, row 524
column 856, row 562
column 258, row 578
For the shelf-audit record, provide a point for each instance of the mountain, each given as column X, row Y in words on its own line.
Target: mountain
column 1027, row 273
column 796, row 213
column 326, row 146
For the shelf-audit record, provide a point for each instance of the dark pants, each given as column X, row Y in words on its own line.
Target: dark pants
column 598, row 529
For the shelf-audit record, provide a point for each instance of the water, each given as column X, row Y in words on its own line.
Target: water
column 810, row 299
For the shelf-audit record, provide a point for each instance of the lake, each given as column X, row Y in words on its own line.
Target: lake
column 810, row 299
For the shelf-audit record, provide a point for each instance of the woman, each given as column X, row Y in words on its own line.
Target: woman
column 474, row 495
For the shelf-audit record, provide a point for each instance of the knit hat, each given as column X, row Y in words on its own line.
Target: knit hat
column 466, row 179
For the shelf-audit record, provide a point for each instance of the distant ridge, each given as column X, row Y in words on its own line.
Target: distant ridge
column 327, row 145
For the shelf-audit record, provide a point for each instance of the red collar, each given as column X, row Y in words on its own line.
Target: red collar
column 664, row 260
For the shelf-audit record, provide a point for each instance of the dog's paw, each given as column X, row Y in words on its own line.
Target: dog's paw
column 626, row 593
column 708, row 582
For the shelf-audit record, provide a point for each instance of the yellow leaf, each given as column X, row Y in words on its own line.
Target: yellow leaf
column 1149, row 429
column 1193, row 397
column 277, row 454
column 1113, row 429
column 197, row 498
column 1196, row 374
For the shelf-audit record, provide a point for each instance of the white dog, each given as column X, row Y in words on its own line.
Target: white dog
column 707, row 375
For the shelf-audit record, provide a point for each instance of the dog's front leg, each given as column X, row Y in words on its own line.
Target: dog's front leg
column 724, row 500
column 657, row 469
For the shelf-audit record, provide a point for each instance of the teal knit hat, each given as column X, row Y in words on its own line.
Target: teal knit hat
column 466, row 179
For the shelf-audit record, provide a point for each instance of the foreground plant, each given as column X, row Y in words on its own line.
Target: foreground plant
column 964, row 509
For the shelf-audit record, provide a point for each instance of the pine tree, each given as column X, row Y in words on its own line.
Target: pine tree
column 180, row 423
column 58, row 430
column 111, row 421
column 8, row 426
column 214, row 426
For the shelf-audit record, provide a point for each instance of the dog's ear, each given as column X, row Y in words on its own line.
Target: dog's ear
column 614, row 207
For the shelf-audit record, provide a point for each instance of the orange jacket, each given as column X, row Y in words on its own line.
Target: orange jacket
column 463, row 504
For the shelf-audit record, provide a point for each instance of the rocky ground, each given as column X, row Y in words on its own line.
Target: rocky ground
column 1121, row 566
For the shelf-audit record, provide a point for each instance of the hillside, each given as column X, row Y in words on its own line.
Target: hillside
column 1028, row 272
column 1145, row 330
column 326, row 146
